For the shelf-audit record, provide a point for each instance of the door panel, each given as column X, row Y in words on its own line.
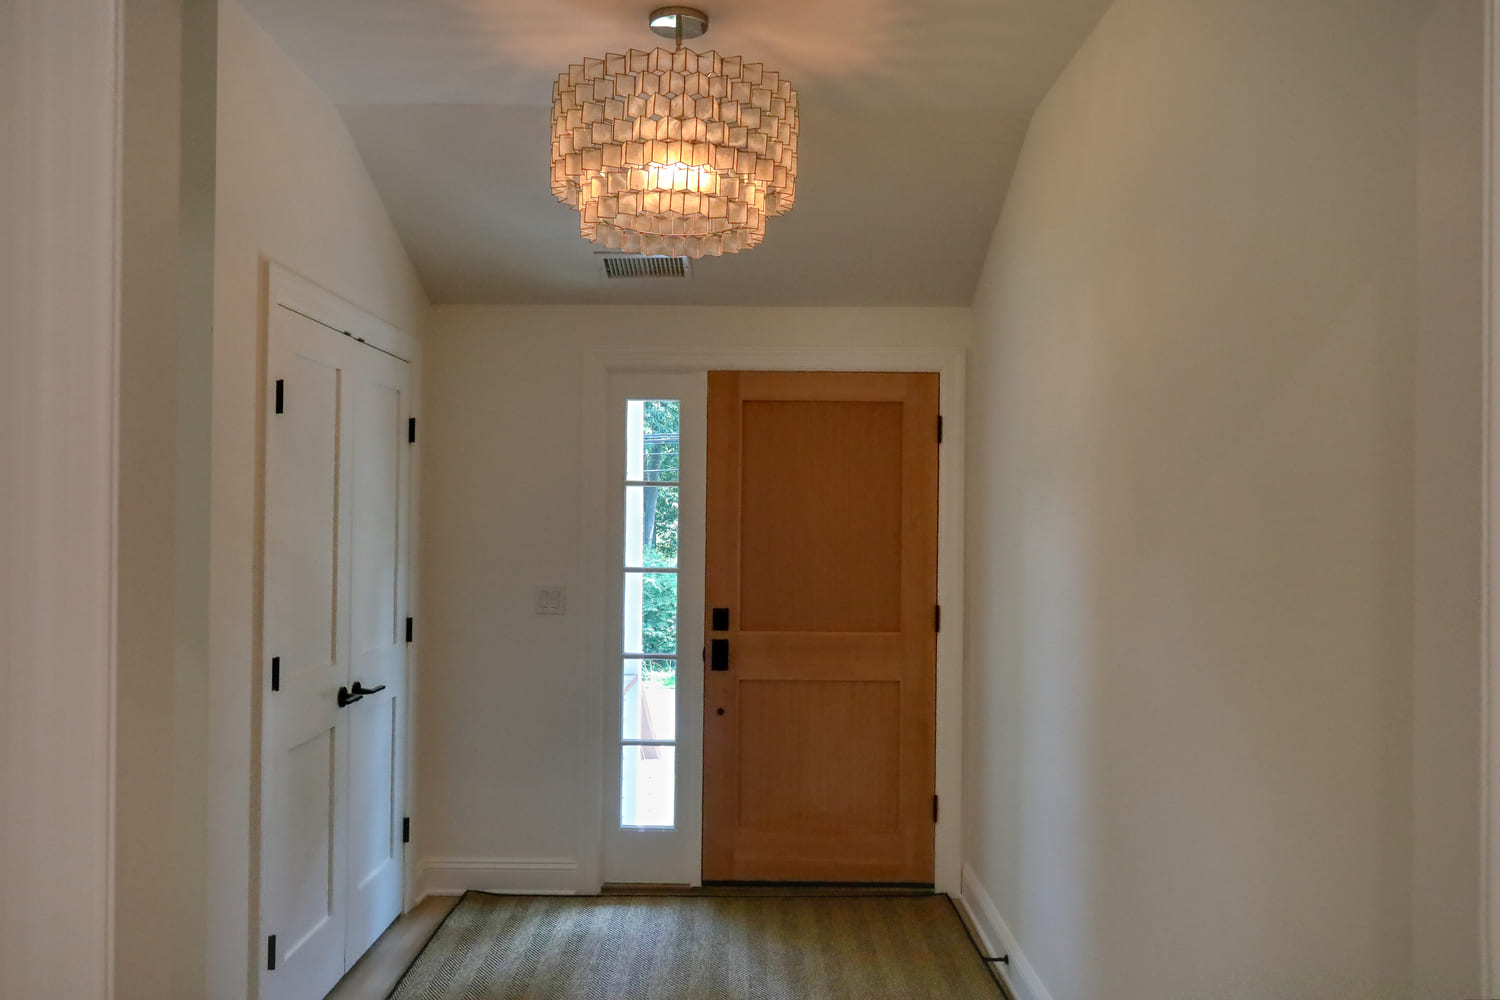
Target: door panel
column 372, row 846
column 305, row 882
column 822, row 543
column 302, row 515
column 376, row 482
column 378, row 478
column 814, row 559
column 303, row 751
column 851, row 728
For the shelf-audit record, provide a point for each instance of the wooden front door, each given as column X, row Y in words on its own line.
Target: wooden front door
column 820, row 632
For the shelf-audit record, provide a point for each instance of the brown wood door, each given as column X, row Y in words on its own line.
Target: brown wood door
column 822, row 547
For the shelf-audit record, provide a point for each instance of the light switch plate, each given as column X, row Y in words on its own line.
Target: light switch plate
column 552, row 600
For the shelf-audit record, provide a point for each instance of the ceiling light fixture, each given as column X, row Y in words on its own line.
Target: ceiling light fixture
column 674, row 152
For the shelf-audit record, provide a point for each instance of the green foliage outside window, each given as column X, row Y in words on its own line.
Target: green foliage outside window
column 659, row 590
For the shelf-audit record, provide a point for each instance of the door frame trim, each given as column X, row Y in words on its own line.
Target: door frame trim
column 285, row 287
column 288, row 288
column 1489, row 790
column 949, row 364
column 692, row 389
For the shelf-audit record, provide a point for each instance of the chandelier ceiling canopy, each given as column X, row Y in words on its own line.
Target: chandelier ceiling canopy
column 674, row 152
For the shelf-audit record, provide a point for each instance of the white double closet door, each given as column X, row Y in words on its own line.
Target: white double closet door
column 336, row 489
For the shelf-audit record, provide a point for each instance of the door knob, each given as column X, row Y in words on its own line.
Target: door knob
column 359, row 690
column 346, row 699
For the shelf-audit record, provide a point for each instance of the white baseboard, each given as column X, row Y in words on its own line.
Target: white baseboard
column 983, row 917
column 536, row 876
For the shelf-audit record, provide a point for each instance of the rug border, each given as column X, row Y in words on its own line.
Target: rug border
column 401, row 979
column 989, row 963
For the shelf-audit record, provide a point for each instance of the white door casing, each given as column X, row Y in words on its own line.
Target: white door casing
column 659, row 855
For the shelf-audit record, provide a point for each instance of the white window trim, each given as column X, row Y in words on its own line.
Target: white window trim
column 1489, row 791
column 654, row 854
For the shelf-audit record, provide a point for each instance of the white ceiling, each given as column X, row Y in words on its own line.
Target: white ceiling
column 912, row 118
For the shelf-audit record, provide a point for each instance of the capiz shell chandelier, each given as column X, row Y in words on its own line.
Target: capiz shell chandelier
column 674, row 152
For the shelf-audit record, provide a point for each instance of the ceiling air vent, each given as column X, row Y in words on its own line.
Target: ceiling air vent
column 625, row 267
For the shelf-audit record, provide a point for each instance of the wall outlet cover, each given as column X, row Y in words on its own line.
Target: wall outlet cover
column 552, row 600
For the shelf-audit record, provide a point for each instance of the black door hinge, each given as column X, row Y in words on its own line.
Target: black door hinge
column 411, row 430
column 271, row 953
column 406, row 830
column 934, row 808
column 937, row 617
column 940, row 430
column 275, row 673
column 280, row 394
column 408, row 630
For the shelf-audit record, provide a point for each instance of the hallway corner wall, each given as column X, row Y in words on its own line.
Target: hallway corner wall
column 509, row 725
column 1192, row 519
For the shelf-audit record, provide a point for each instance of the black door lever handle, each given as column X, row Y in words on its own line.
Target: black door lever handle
column 359, row 690
column 346, row 699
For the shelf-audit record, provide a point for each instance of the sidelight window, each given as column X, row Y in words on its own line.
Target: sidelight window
column 648, row 734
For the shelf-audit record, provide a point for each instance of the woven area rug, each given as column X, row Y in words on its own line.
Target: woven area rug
column 663, row 948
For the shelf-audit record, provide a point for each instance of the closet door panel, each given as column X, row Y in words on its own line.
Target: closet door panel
column 379, row 400
column 304, row 756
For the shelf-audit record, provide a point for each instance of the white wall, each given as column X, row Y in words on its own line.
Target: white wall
column 1192, row 510
column 62, row 332
column 290, row 188
column 193, row 438
column 1448, row 377
column 104, row 826
column 508, row 700
column 148, row 872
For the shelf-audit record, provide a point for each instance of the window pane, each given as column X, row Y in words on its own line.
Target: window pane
column 650, row 526
column 650, row 707
column 648, row 781
column 651, row 428
column 651, row 613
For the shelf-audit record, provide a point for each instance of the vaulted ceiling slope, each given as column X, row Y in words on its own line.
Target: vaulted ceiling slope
column 912, row 118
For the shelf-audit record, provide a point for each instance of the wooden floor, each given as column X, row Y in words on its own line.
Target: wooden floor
column 375, row 975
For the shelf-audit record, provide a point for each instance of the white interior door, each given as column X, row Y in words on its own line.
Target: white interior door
column 336, row 524
column 304, row 752
column 379, row 405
